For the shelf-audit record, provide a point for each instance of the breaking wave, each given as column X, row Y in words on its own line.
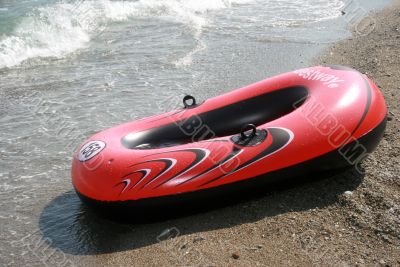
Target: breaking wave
column 64, row 27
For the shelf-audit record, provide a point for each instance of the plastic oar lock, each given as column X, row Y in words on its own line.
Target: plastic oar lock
column 249, row 136
column 187, row 103
column 248, row 131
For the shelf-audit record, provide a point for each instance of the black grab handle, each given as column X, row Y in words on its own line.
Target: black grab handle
column 247, row 128
column 186, row 104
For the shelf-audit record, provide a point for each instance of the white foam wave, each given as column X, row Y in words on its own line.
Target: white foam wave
column 294, row 12
column 59, row 29
column 188, row 58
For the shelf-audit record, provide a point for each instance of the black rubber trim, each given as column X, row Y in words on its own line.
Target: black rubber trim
column 368, row 87
column 200, row 154
column 367, row 105
column 165, row 204
column 125, row 183
column 231, row 155
column 280, row 138
column 225, row 121
column 168, row 164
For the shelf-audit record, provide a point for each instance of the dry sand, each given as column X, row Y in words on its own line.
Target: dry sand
column 349, row 219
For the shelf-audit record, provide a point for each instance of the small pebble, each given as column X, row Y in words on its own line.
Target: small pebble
column 198, row 238
column 348, row 193
column 235, row 255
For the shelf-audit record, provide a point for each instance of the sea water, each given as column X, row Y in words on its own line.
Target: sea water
column 71, row 68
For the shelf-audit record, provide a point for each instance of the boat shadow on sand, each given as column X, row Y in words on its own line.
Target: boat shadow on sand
column 66, row 224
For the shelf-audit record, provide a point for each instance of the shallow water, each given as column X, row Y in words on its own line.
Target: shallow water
column 71, row 68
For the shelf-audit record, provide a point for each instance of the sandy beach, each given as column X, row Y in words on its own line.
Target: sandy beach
column 345, row 220
column 349, row 219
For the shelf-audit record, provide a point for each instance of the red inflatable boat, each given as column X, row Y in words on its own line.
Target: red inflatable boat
column 302, row 122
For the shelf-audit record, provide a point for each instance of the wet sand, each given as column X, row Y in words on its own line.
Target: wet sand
column 349, row 219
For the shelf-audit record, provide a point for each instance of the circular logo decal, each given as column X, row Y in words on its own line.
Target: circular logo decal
column 90, row 149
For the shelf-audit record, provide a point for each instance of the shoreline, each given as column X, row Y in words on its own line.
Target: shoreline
column 346, row 220
column 349, row 219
